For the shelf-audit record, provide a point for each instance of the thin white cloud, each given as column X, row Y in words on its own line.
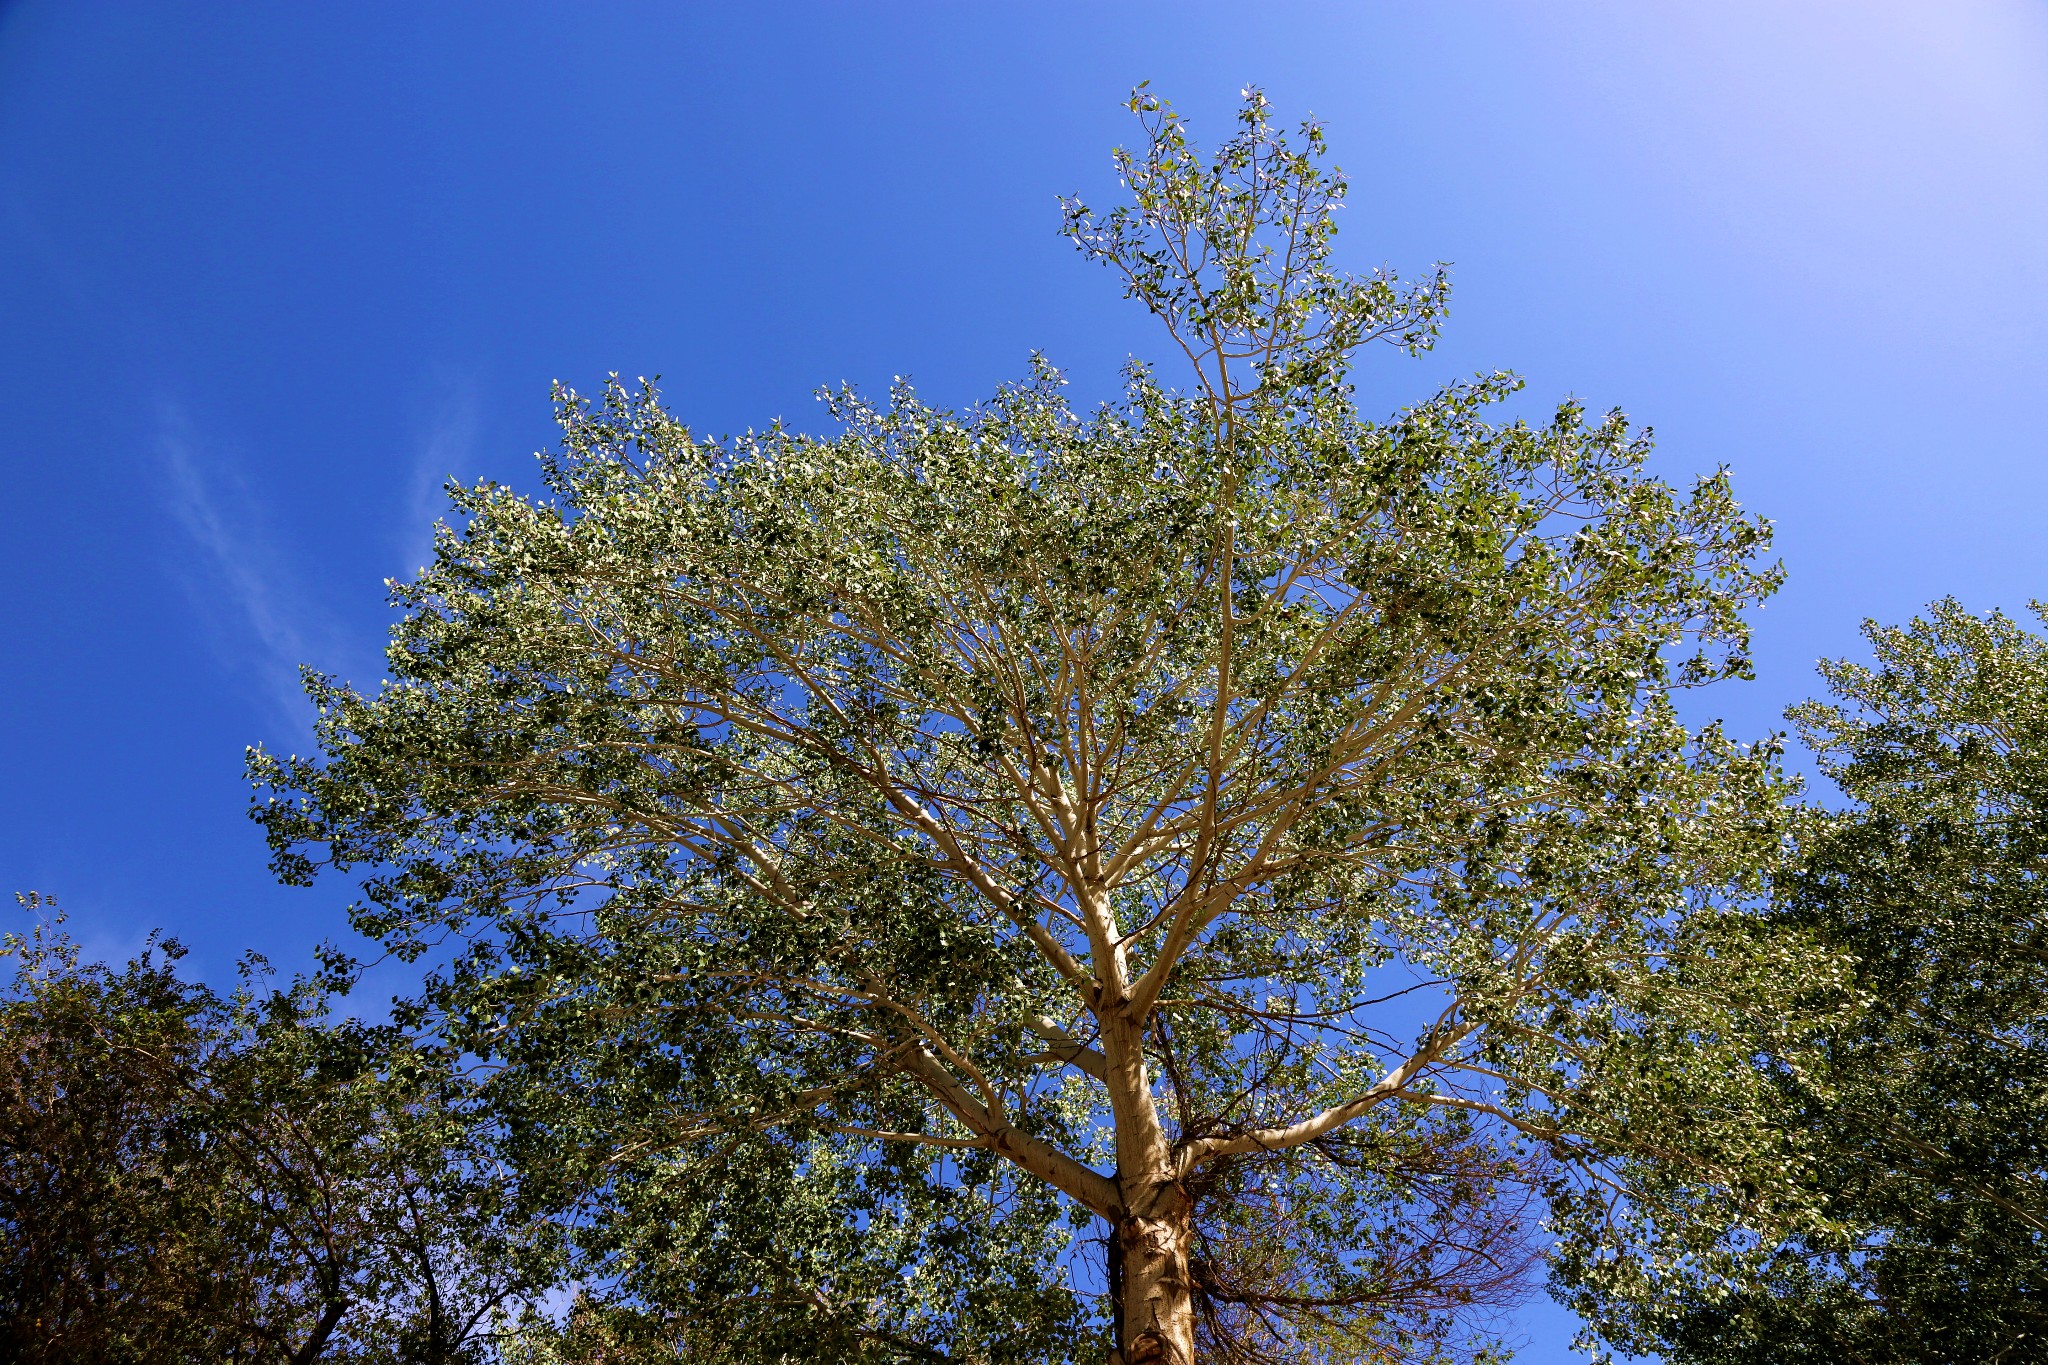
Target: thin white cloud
column 444, row 452
column 112, row 944
column 263, row 628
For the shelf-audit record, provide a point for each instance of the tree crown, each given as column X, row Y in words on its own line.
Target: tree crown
column 960, row 817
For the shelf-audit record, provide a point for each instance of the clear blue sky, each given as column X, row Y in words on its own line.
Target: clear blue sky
column 269, row 274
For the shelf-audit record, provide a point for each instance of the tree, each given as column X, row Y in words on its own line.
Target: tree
column 91, row 1182
column 1931, row 1111
column 1266, row 831
column 185, row 1177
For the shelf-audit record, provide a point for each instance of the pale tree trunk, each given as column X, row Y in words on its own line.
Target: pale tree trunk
column 1155, row 1298
column 1158, row 1305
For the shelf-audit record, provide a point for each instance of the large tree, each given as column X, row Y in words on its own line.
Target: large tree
column 1262, row 829
column 1931, row 1105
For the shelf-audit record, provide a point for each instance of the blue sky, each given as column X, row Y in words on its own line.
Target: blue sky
column 269, row 274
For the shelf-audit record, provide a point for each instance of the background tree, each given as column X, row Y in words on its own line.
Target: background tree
column 91, row 1181
column 1931, row 1110
column 186, row 1177
column 1260, row 829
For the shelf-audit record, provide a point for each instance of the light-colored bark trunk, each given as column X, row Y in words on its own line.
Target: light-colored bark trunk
column 1156, row 1299
column 1158, row 1296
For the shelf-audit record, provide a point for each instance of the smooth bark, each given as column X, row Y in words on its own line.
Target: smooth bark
column 1158, row 1308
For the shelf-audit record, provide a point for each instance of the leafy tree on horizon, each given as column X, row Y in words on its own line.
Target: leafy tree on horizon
column 871, row 859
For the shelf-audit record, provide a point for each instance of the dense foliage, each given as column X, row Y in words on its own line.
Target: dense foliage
column 1932, row 1107
column 191, row 1178
column 870, row 861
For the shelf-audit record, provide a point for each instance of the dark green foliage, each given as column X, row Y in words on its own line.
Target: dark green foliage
column 1930, row 1110
column 191, row 1178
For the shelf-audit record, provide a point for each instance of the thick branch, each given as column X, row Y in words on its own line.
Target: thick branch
column 1193, row 1154
column 1069, row 1049
column 1056, row 1168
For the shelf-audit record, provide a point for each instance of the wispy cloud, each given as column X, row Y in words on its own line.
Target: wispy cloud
column 102, row 941
column 263, row 627
column 444, row 452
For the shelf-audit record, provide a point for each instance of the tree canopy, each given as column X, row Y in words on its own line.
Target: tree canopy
column 866, row 860
column 1930, row 1106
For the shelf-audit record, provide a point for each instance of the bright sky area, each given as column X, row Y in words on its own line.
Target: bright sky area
column 270, row 274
